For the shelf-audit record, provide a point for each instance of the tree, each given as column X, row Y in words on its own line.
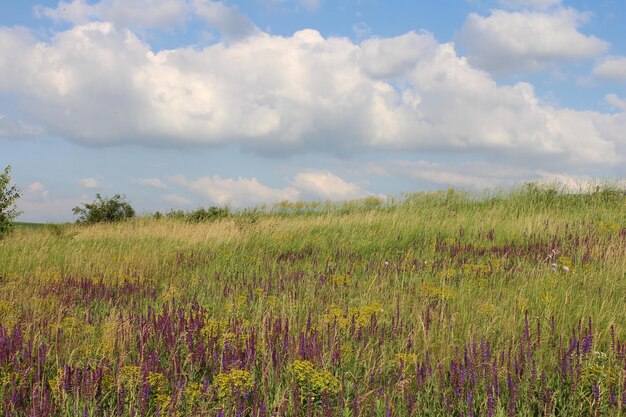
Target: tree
column 104, row 210
column 8, row 196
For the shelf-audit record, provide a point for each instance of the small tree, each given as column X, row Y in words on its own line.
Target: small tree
column 104, row 210
column 8, row 196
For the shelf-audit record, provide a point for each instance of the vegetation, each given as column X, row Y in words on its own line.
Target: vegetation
column 8, row 196
column 200, row 215
column 104, row 210
column 439, row 304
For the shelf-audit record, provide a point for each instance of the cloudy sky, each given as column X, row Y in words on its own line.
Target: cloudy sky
column 188, row 103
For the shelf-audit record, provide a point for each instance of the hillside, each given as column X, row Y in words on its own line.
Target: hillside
column 438, row 304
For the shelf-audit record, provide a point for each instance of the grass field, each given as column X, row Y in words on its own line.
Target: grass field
column 439, row 304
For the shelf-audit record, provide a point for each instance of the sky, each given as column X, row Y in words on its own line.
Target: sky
column 179, row 104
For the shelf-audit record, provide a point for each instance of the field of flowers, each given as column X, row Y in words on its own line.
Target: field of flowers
column 436, row 305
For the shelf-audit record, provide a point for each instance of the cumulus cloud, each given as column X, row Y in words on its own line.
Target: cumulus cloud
column 98, row 84
column 140, row 14
column 245, row 192
column 176, row 199
column 228, row 20
column 89, row 182
column 470, row 175
column 482, row 175
column 36, row 191
column 154, row 14
column 308, row 4
column 238, row 192
column 13, row 129
column 530, row 4
column 150, row 182
column 615, row 101
column 611, row 68
column 385, row 58
column 577, row 183
column 325, row 185
column 39, row 205
column 505, row 42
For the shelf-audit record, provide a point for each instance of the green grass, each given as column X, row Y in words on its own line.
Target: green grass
column 370, row 289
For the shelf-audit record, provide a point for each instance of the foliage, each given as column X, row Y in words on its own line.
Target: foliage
column 104, row 210
column 207, row 215
column 8, row 196
column 200, row 215
column 439, row 304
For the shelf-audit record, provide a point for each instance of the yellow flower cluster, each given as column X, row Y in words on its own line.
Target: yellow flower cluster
column 341, row 279
column 565, row 261
column 599, row 374
column 212, row 328
column 231, row 383
column 129, row 376
column 48, row 275
column 609, row 228
column 73, row 326
column 157, row 381
column 476, row 270
column 7, row 377
column 314, row 383
column 193, row 392
column 447, row 274
column 438, row 292
column 408, row 361
column 361, row 316
column 8, row 314
column 486, row 309
column 55, row 384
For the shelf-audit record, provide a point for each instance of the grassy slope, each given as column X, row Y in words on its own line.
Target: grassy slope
column 478, row 266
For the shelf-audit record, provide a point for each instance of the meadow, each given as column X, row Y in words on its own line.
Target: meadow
column 437, row 304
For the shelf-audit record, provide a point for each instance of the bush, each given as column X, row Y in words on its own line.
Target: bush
column 8, row 196
column 104, row 210
column 206, row 215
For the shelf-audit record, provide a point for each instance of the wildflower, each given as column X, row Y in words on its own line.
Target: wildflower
column 230, row 383
column 314, row 383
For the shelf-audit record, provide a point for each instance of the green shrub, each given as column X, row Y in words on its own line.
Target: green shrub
column 8, row 196
column 104, row 210
column 206, row 215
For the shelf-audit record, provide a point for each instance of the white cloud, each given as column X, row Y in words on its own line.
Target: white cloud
column 505, row 42
column 176, row 199
column 99, row 84
column 13, row 129
column 39, row 206
column 153, row 14
column 615, row 101
column 326, row 186
column 36, row 190
column 384, row 58
column 361, row 30
column 311, row 4
column 245, row 192
column 482, row 175
column 308, row 4
column 150, row 182
column 611, row 68
column 472, row 175
column 238, row 192
column 576, row 183
column 89, row 182
column 139, row 14
column 231, row 23
column 530, row 4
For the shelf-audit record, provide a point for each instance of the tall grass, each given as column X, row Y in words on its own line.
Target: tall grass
column 435, row 304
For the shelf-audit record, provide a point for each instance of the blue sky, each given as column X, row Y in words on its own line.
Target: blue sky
column 188, row 103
